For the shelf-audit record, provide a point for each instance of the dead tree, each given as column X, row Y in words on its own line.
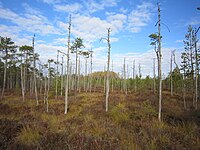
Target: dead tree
column 108, row 68
column 159, row 55
column 67, row 81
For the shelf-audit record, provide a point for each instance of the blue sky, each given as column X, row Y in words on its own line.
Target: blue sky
column 131, row 21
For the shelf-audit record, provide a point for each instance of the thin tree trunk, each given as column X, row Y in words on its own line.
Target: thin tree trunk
column 112, row 77
column 45, row 89
column 91, row 72
column 61, row 85
column 159, row 66
column 125, row 84
column 79, row 68
column 57, row 76
column 22, row 83
column 34, row 73
column 48, row 87
column 85, row 78
column 171, row 80
column 75, row 85
column 67, row 81
column 104, row 83
column 184, row 91
column 108, row 71
column 4, row 76
column 154, row 76
column 196, row 70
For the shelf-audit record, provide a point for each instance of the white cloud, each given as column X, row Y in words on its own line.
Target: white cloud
column 194, row 21
column 61, row 41
column 94, row 6
column 113, row 39
column 117, row 21
column 50, row 1
column 35, row 23
column 70, row 8
column 93, row 28
column 145, row 59
column 30, row 10
column 140, row 17
column 89, row 28
column 179, row 41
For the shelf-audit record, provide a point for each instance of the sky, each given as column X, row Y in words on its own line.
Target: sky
column 131, row 22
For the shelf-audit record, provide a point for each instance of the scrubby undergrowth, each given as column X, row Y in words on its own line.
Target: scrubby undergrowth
column 131, row 123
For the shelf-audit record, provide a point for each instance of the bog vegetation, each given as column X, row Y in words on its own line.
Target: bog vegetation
column 51, row 105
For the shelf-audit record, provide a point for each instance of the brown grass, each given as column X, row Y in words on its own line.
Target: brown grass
column 131, row 123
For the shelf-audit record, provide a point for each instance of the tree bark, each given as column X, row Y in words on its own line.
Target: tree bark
column 4, row 76
column 34, row 73
column 159, row 67
column 67, row 81
column 108, row 71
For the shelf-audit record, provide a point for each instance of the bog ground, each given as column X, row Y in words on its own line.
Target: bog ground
column 131, row 123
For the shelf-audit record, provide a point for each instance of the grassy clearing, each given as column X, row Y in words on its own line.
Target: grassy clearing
column 131, row 123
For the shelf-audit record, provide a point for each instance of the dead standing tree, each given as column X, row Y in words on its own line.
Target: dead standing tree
column 159, row 55
column 67, row 81
column 34, row 71
column 108, row 68
column 156, row 40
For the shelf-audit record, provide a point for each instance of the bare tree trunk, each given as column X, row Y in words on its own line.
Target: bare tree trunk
column 112, row 76
column 196, row 70
column 34, row 73
column 192, row 70
column 85, row 78
column 125, row 84
column 79, row 69
column 108, row 71
column 91, row 72
column 45, row 89
column 104, row 83
column 57, row 75
column 154, row 76
column 48, row 87
column 67, row 81
column 75, row 85
column 4, row 76
column 22, row 83
column 134, row 76
column 171, row 80
column 184, row 91
column 61, row 84
column 159, row 67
